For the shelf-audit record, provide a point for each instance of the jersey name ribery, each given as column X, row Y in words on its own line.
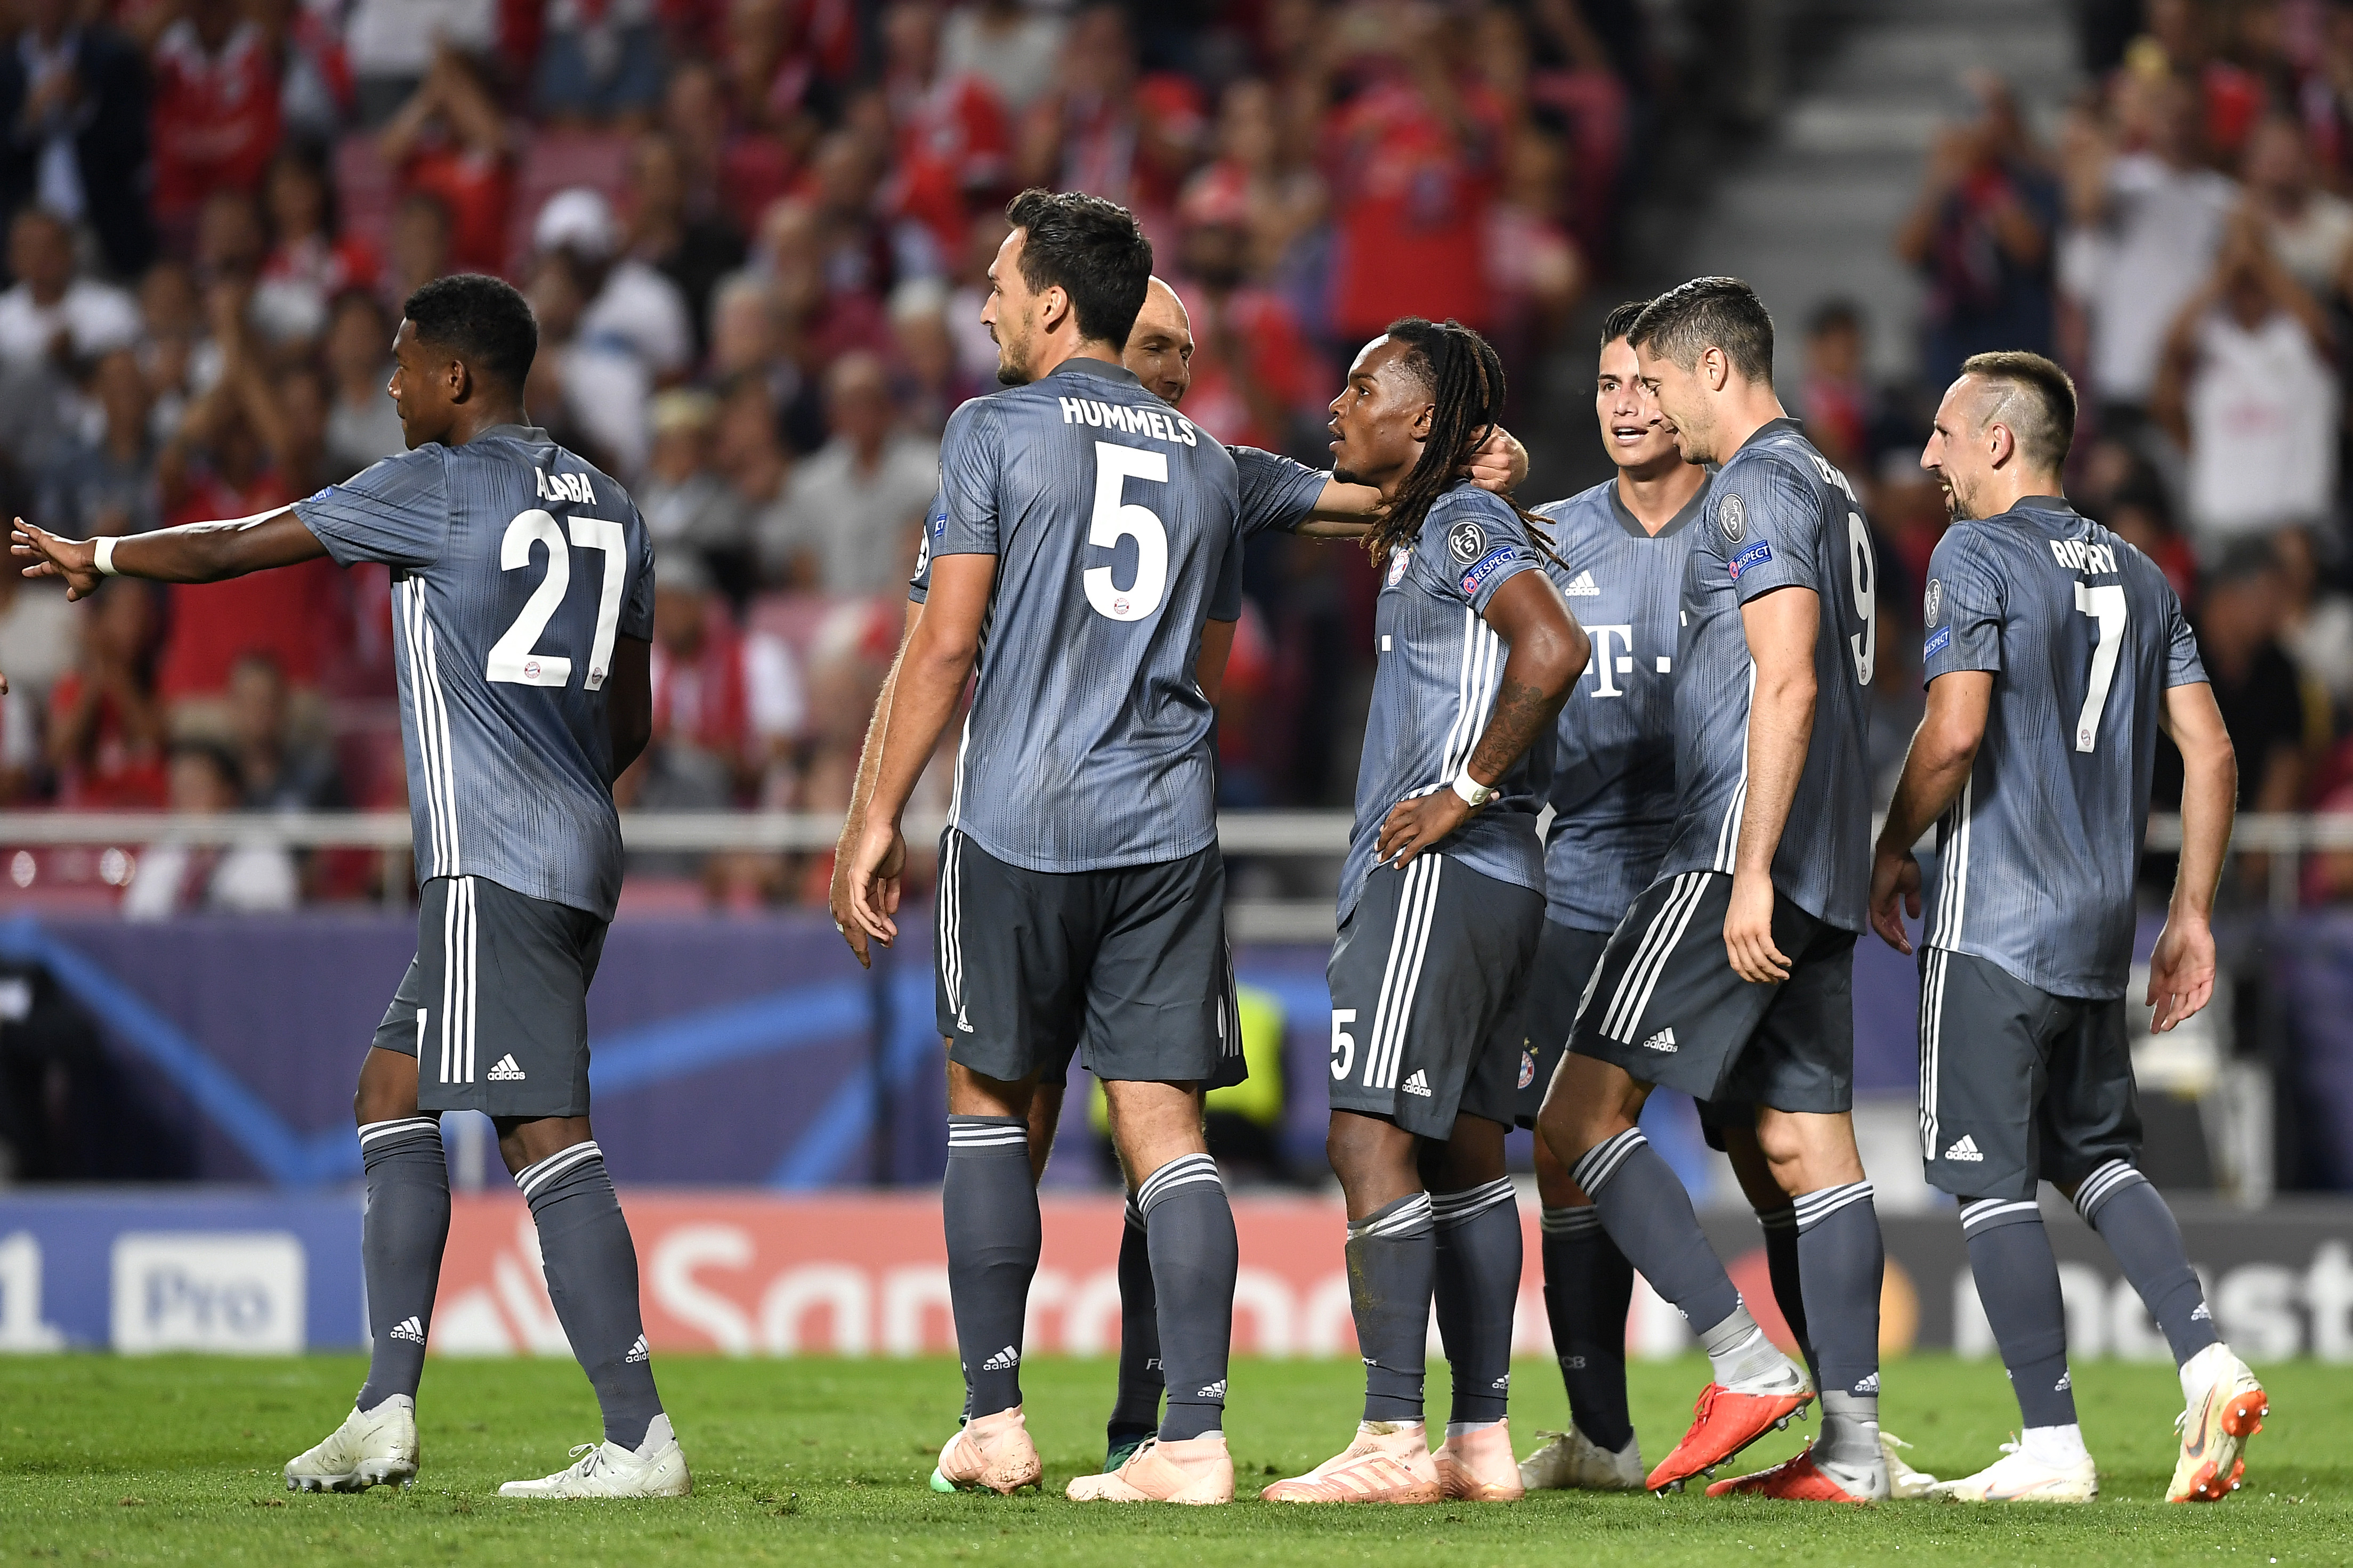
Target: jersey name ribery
column 2080, row 556
column 1156, row 423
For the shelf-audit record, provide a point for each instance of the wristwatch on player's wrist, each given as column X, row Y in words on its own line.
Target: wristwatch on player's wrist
column 1475, row 794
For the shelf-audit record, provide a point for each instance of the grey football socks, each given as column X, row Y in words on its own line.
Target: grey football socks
column 1588, row 1286
column 1649, row 1215
column 1189, row 1229
column 989, row 1206
column 402, row 1232
column 1780, row 1227
column 592, row 1278
column 1392, row 1262
column 2017, row 1281
column 2121, row 1204
column 1842, row 1261
column 1477, row 1255
column 1135, row 1409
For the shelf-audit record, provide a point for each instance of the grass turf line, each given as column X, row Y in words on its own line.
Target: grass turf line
column 177, row 1459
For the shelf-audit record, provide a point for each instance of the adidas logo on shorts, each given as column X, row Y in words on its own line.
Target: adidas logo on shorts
column 409, row 1329
column 1417, row 1084
column 963, row 1025
column 2063, row 1384
column 506, row 1071
column 1583, row 587
column 1965, row 1149
column 1664, row 1040
column 1005, row 1359
column 637, row 1352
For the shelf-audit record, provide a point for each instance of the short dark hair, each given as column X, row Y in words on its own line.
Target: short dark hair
column 484, row 321
column 1834, row 316
column 1710, row 312
column 1094, row 250
column 2037, row 401
column 1620, row 320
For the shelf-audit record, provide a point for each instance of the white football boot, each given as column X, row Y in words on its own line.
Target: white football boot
column 2016, row 1477
column 656, row 1469
column 1903, row 1481
column 1571, row 1461
column 371, row 1448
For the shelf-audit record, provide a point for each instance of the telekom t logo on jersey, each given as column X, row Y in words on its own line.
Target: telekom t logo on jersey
column 1608, row 664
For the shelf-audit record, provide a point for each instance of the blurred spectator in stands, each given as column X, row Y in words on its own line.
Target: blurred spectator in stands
column 1254, row 373
column 749, row 453
column 75, row 97
column 690, row 511
column 1414, row 155
column 930, row 381
column 314, row 82
column 1283, row 196
column 976, row 349
column 309, row 264
column 1012, row 45
column 1532, row 265
column 2149, row 222
column 589, row 393
column 2309, row 229
column 691, row 243
column 1103, row 128
column 451, row 140
column 2184, row 40
column 601, row 62
column 38, row 631
column 214, row 110
column 106, row 724
column 2140, row 512
column 230, row 244
column 281, row 767
column 177, row 879
column 851, row 512
column 394, row 45
column 419, row 250
column 2246, row 389
column 748, row 337
column 1841, row 408
column 2315, row 618
column 105, row 481
column 175, row 355
column 1981, row 236
column 955, row 145
column 363, row 426
column 50, row 316
column 2261, row 695
column 626, row 304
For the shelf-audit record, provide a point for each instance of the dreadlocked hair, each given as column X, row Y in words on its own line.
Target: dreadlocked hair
column 1466, row 377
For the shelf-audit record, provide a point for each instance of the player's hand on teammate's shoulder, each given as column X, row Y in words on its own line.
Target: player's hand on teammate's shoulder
column 1497, row 463
column 1895, row 875
column 1414, row 826
column 873, row 893
column 1749, row 930
column 75, row 560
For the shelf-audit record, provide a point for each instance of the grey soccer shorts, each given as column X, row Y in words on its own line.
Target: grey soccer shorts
column 1567, row 961
column 1425, row 996
column 2017, row 1084
column 1667, row 1007
column 1125, row 966
column 494, row 1006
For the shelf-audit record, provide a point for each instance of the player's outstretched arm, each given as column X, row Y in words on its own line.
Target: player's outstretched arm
column 1347, row 510
column 2181, row 968
column 1943, row 749
column 192, row 552
column 933, row 667
column 1781, row 627
column 869, row 758
column 1546, row 651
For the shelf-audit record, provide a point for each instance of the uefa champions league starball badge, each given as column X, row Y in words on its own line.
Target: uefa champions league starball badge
column 1733, row 518
column 1468, row 541
column 1932, row 601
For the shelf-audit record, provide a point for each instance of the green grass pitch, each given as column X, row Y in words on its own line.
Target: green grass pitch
column 103, row 1459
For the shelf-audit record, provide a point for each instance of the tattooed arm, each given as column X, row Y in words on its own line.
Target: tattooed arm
column 1548, row 653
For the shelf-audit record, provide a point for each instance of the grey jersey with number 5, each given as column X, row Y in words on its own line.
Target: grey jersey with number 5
column 515, row 566
column 1613, row 779
column 2082, row 634
column 1114, row 524
column 1778, row 516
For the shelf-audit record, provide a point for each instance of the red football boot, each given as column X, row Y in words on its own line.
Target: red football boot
column 1723, row 1423
column 1795, row 1480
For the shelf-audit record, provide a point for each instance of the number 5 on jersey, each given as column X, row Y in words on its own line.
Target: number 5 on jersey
column 1116, row 518
column 514, row 657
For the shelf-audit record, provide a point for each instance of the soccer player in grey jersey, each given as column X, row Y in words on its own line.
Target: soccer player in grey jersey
column 1440, row 899
column 1085, row 535
column 2056, row 653
column 522, row 595
column 1775, row 656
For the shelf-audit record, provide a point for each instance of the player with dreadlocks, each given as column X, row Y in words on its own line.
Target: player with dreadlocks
column 1441, row 900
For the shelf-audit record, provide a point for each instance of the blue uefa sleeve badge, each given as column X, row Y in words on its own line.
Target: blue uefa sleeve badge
column 1486, row 566
column 1938, row 644
column 1755, row 556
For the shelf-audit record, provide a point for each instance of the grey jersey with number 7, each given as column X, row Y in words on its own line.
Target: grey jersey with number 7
column 515, row 566
column 2084, row 636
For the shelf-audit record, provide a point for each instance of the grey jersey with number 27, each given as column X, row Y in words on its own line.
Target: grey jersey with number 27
column 2082, row 634
column 515, row 566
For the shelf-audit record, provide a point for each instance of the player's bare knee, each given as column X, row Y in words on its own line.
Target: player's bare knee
column 1471, row 1156
column 1807, row 1151
column 386, row 1089
column 524, row 1142
column 973, row 1094
column 1153, row 1123
column 1556, row 1188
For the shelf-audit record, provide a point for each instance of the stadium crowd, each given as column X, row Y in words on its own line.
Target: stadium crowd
column 753, row 229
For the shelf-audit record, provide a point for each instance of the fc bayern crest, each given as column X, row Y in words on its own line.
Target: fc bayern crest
column 1399, row 559
column 1733, row 518
column 1467, row 539
column 1932, row 601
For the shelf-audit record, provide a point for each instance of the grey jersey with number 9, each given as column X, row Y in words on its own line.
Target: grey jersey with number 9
column 2084, row 636
column 1114, row 524
column 515, row 566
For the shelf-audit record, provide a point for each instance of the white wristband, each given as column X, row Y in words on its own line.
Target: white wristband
column 1475, row 794
column 102, row 556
